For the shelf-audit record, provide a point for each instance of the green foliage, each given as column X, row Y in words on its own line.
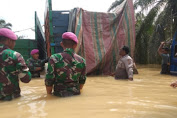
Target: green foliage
column 155, row 28
column 115, row 4
column 146, row 4
column 143, row 36
column 159, row 24
column 3, row 24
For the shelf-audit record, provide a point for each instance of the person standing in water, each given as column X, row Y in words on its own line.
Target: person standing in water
column 12, row 66
column 66, row 72
column 164, row 53
column 35, row 64
column 124, row 68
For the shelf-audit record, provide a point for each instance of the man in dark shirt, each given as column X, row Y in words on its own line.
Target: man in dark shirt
column 164, row 53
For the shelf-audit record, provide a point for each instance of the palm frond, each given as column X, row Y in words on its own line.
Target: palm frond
column 146, row 4
column 3, row 24
column 2, row 21
column 115, row 4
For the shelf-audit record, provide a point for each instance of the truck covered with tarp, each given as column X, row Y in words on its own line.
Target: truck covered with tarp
column 100, row 35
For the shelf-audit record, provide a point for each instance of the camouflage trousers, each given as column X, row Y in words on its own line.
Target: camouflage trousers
column 9, row 97
column 65, row 93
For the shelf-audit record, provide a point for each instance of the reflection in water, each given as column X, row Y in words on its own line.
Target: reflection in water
column 148, row 96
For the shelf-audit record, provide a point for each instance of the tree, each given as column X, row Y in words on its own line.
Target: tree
column 115, row 4
column 156, row 27
column 3, row 24
column 157, row 24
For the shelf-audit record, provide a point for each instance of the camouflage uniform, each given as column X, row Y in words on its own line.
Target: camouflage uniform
column 66, row 71
column 32, row 64
column 12, row 67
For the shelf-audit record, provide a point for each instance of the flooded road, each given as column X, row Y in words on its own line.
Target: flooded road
column 148, row 96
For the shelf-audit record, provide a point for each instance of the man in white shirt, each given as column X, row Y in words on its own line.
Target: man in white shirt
column 124, row 68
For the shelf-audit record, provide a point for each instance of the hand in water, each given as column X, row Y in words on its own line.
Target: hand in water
column 112, row 74
column 174, row 84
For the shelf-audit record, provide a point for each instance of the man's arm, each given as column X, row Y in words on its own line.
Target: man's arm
column 44, row 61
column 160, row 48
column 112, row 74
column 129, row 68
column 81, row 86
column 49, row 79
column 82, row 78
column 24, row 74
column 49, row 89
column 174, row 84
column 131, row 79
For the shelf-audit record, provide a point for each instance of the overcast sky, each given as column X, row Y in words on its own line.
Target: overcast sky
column 21, row 12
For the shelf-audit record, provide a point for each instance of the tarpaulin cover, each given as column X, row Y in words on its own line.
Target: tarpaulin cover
column 101, row 35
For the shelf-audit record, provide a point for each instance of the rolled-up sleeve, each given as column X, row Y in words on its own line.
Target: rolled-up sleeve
column 24, row 74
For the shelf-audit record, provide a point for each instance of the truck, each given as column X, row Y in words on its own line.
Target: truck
column 100, row 35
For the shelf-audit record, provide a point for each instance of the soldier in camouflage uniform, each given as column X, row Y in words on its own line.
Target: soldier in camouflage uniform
column 35, row 64
column 67, row 70
column 12, row 66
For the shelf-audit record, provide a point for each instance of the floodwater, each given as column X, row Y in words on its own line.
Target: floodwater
column 148, row 96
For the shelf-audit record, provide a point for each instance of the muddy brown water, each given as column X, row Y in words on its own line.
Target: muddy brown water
column 148, row 96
